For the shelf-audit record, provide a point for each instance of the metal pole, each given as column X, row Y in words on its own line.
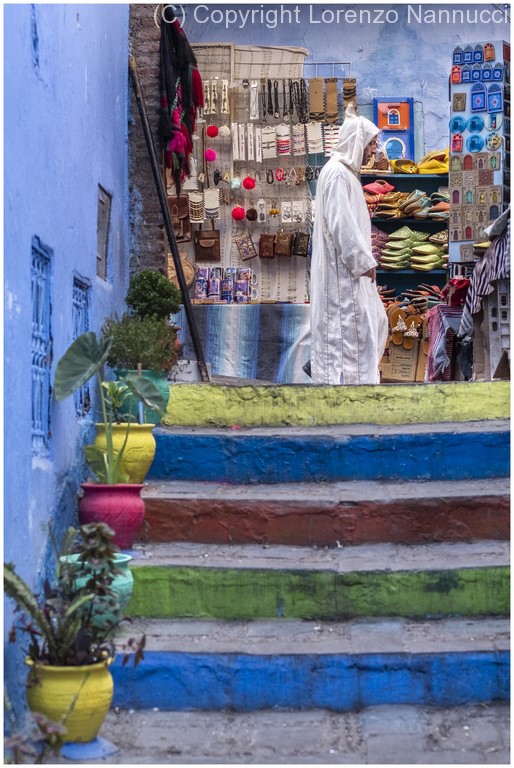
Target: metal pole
column 161, row 192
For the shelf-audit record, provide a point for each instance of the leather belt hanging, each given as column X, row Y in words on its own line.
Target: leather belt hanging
column 317, row 109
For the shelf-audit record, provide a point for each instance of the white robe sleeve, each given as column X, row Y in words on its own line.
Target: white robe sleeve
column 340, row 223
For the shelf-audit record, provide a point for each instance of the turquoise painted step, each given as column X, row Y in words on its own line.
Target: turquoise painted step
column 249, row 582
column 328, row 454
column 287, row 665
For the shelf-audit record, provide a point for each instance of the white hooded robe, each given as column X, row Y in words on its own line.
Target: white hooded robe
column 348, row 319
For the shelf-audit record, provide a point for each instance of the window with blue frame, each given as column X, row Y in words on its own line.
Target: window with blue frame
column 80, row 321
column 41, row 345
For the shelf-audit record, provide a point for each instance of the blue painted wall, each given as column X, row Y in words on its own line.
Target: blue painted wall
column 66, row 86
column 398, row 50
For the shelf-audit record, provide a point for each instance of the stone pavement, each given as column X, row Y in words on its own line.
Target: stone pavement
column 398, row 734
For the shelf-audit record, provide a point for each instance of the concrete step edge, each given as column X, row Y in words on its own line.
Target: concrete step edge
column 337, row 430
column 356, row 558
column 333, row 492
column 291, row 637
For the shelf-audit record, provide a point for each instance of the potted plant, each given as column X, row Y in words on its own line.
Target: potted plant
column 69, row 652
column 143, row 339
column 112, row 496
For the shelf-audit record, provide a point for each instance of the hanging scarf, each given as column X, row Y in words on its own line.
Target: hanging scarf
column 181, row 93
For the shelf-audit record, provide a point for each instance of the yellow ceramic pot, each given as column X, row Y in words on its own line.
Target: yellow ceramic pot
column 77, row 697
column 139, row 451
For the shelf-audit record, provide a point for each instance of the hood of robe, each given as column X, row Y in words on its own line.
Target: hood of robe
column 354, row 135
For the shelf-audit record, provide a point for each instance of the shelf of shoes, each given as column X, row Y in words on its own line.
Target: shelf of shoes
column 409, row 225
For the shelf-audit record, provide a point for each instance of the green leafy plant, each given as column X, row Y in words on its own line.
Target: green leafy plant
column 83, row 360
column 38, row 739
column 151, row 294
column 146, row 341
column 60, row 623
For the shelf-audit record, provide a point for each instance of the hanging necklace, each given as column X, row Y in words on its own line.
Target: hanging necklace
column 291, row 108
column 264, row 105
column 284, row 103
column 270, row 99
column 276, row 112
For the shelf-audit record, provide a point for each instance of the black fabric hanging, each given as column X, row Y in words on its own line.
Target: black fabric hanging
column 181, row 93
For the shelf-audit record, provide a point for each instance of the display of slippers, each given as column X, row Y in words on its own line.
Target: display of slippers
column 379, row 187
column 404, row 166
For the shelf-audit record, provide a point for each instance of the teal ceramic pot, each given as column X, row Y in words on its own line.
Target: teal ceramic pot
column 122, row 585
column 160, row 379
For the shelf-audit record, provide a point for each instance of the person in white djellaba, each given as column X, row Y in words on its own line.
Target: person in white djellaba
column 348, row 321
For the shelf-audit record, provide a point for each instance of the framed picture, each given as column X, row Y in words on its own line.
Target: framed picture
column 395, row 118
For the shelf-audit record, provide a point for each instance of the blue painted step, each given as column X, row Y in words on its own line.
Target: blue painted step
column 259, row 673
column 476, row 450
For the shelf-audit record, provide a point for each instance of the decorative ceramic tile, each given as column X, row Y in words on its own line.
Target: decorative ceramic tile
column 476, row 73
column 459, row 102
column 482, row 196
column 481, row 216
column 494, row 98
column 455, row 234
column 495, row 161
column 495, row 195
column 493, row 141
column 455, row 163
column 457, row 142
column 470, row 178
column 487, row 72
column 457, row 55
column 468, row 216
column 480, row 233
column 482, row 161
column 489, row 53
column 456, row 75
column 478, row 53
column 468, row 231
column 456, row 178
column 485, row 178
column 478, row 98
column 456, row 196
column 468, row 163
column 468, row 196
column 498, row 72
column 467, row 56
column 466, row 252
column 456, row 217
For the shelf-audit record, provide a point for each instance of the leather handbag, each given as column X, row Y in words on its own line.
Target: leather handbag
column 301, row 244
column 207, row 245
column 284, row 244
column 245, row 246
column 179, row 212
column 267, row 246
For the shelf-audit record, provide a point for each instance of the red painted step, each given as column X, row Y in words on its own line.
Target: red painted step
column 327, row 514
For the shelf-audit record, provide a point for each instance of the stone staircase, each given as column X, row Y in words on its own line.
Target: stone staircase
column 324, row 562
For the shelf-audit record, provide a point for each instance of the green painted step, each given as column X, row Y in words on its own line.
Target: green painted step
column 309, row 405
column 256, row 582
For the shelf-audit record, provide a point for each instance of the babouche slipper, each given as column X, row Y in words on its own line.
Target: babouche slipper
column 397, row 324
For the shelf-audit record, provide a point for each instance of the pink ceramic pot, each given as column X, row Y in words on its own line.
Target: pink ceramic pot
column 120, row 506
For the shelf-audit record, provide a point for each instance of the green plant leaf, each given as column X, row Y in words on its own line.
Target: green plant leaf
column 82, row 360
column 103, row 470
column 146, row 391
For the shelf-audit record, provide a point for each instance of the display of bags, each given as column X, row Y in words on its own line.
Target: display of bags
column 245, row 246
column 267, row 246
column 284, row 244
column 207, row 245
column 178, row 207
column 301, row 244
